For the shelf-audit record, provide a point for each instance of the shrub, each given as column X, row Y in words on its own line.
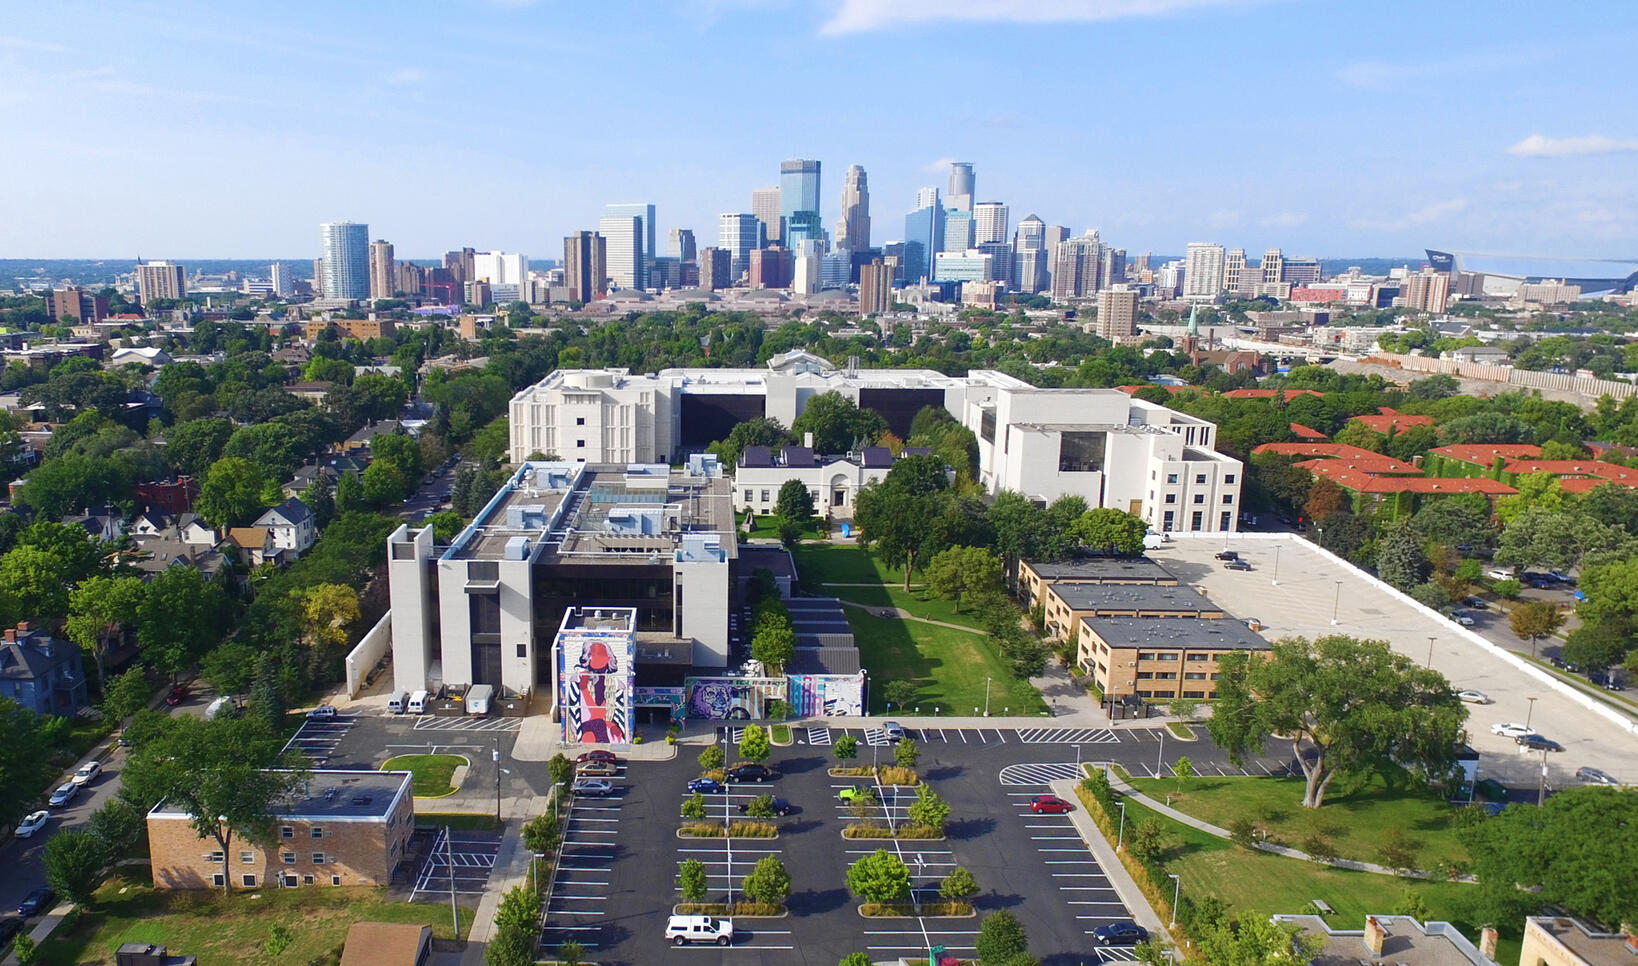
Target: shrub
column 691, row 879
column 694, row 808
column 561, row 769
column 1320, row 848
column 1001, row 937
column 712, row 758
column 905, row 753
column 541, row 834
column 1397, row 852
column 1242, row 832
column 890, row 775
column 929, row 810
column 570, row 952
column 958, row 885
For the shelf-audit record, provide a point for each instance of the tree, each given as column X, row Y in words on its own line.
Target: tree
column 753, row 743
column 774, row 644
column 541, row 834
column 350, row 494
column 182, row 615
column 838, row 424
column 1534, row 620
column 221, row 773
column 1611, row 589
column 1324, row 499
column 1579, row 848
column 1147, row 839
column 845, row 748
column 74, row 860
column 712, row 758
column 1001, row 937
column 959, row 885
column 25, row 950
column 384, row 484
column 1400, row 560
column 1020, row 529
column 446, row 526
column 100, row 610
column 320, row 497
column 1257, row 941
column 27, row 742
column 905, row 753
column 1540, row 491
column 956, row 572
column 694, row 807
column 1559, row 539
column 1455, row 521
column 1111, row 530
column 560, row 769
column 324, row 613
column 1183, row 768
column 761, row 431
column 231, row 667
column 126, row 694
column 761, row 806
column 768, row 882
column 899, row 694
column 510, row 947
column 231, row 495
column 929, row 809
column 33, row 585
column 880, row 876
column 893, row 523
column 855, row 959
column 691, row 879
column 790, row 533
column 795, row 502
column 1348, row 706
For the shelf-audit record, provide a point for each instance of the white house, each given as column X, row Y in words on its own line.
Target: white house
column 291, row 524
column 834, row 481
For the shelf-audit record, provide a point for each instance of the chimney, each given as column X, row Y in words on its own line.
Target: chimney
column 1375, row 935
column 11, row 635
column 807, row 440
column 1487, row 943
column 23, row 626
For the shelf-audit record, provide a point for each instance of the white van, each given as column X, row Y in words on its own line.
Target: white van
column 417, row 703
column 479, row 698
column 1154, row 541
column 682, row 930
column 223, row 707
column 396, row 702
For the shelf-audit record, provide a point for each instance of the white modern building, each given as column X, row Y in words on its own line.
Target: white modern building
column 501, row 268
column 738, row 234
column 625, row 258
column 967, row 266
column 1203, row 268
column 989, row 222
column 346, row 247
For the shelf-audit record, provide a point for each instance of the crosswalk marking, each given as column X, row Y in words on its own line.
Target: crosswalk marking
column 439, row 723
column 819, row 736
column 1069, row 736
column 1040, row 773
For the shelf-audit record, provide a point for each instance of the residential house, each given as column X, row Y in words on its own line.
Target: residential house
column 102, row 523
column 833, row 481
column 1388, row 420
column 358, row 444
column 168, row 496
column 253, row 546
column 292, row 526
column 187, row 528
column 42, row 673
column 333, row 467
column 313, row 392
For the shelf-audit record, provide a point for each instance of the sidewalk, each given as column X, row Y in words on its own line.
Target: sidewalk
column 1142, row 912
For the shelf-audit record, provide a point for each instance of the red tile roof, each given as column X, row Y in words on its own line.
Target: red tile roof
column 1306, row 432
column 1375, row 464
column 1269, row 393
column 1316, row 449
column 1484, row 454
column 1608, row 471
column 1365, row 483
column 1586, row 484
column 1131, row 390
column 1388, row 419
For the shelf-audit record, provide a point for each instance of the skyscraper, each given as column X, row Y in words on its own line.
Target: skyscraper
column 383, row 283
column 346, row 247
column 853, row 228
column 961, row 185
column 1425, row 291
column 644, row 213
column 584, row 268
column 459, row 265
column 989, row 222
column 799, row 201
column 1031, row 235
column 281, row 279
column 1202, row 270
column 681, row 247
column 1075, row 266
column 765, row 206
column 958, row 230
column 923, row 236
column 740, row 234
column 623, row 250
column 1273, row 266
column 715, row 265
column 1117, row 313
column 875, row 287
column 1030, row 261
column 500, row 268
column 1234, row 266
column 770, row 267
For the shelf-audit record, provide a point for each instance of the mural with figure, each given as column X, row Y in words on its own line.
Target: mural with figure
column 670, row 698
column 595, row 672
column 826, row 695
column 731, row 699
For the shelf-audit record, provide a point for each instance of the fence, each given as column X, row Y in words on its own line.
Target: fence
column 367, row 654
column 1522, row 378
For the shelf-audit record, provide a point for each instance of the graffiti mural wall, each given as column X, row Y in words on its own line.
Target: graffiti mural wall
column 826, row 695
column 595, row 670
column 736, row 699
column 669, row 698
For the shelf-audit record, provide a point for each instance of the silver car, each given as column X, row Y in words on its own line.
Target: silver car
column 64, row 794
column 1595, row 776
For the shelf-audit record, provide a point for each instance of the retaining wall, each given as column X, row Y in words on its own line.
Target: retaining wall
column 370, row 650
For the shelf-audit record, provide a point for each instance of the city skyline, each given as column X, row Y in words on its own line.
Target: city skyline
column 1389, row 141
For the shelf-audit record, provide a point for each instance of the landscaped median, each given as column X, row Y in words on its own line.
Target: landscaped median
column 434, row 775
column 733, row 830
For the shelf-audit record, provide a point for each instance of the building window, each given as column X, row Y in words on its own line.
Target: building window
column 1197, row 656
column 1195, row 520
column 580, row 444
column 580, row 420
column 1228, row 499
column 249, row 880
column 216, row 880
column 1194, row 676
column 1171, row 477
column 1228, row 479
column 1166, row 523
column 747, row 496
column 317, row 832
column 214, row 857
column 1166, row 656
column 335, row 880
column 764, row 496
column 286, row 832
column 1195, row 694
column 1165, row 675
column 247, row 858
column 288, row 857
column 306, row 880
column 318, row 858
column 1200, row 478
column 1199, row 498
column 1146, row 655
column 289, row 882
column 1171, row 498
column 1146, row 675
column 1223, row 520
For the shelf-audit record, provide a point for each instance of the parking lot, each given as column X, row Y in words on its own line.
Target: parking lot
column 1294, row 590
column 440, row 857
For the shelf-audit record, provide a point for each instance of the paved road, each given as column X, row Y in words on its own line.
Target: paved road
column 432, row 495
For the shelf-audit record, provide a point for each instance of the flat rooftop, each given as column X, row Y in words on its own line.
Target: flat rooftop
column 1103, row 568
column 1408, row 943
column 1141, row 597
column 1200, row 632
column 1597, row 948
column 334, row 794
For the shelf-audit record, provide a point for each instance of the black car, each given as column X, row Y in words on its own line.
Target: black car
column 751, row 773
column 1228, row 555
column 1120, row 934
column 1236, row 565
column 1477, row 603
column 1538, row 743
column 780, row 807
column 37, row 902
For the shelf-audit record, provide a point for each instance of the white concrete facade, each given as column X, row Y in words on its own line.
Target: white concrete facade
column 834, row 482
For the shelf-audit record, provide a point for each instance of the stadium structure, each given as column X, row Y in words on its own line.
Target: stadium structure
column 1484, row 275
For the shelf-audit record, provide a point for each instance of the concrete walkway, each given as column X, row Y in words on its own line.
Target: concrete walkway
column 876, row 610
column 1126, row 887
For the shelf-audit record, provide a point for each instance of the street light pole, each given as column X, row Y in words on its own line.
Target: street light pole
column 496, row 759
column 1336, row 604
column 1528, row 714
column 1276, row 580
column 1120, row 835
column 1431, row 639
column 987, row 696
column 1160, row 759
column 1541, row 785
column 1177, row 892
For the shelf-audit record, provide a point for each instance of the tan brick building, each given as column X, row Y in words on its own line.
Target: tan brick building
column 1033, row 577
column 1064, row 604
column 1562, row 941
column 361, row 329
column 1161, row 658
column 343, row 828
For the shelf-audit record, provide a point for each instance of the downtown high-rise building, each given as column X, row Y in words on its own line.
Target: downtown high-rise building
column 960, row 195
column 584, row 266
column 959, row 233
column 1030, row 236
column 1234, row 271
column 1202, row 270
column 1030, row 259
column 799, row 202
column 383, row 280
column 644, row 213
column 853, row 228
column 283, row 283
column 459, row 265
column 1273, row 267
column 875, row 287
column 1424, row 291
column 989, row 222
column 923, row 236
column 740, row 234
column 716, row 265
column 346, row 247
column 765, row 206
column 500, row 268
column 623, row 250
column 1076, row 264
column 681, row 247
column 1117, row 313
column 770, row 267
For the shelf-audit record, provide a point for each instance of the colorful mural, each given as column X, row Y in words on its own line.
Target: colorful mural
column 736, row 699
column 672, row 698
column 826, row 695
column 595, row 672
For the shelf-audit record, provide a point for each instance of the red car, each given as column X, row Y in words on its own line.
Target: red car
column 1049, row 805
column 599, row 755
column 178, row 695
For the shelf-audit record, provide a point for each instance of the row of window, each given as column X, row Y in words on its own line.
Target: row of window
column 1172, row 676
column 1205, row 695
column 248, row 857
column 248, row 880
column 1199, row 478
column 1199, row 498
column 1172, row 656
column 1197, row 521
column 289, row 832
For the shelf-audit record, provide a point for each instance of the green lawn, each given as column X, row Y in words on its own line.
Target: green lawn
column 916, row 602
column 234, row 928
column 767, row 527
column 948, row 666
column 1355, row 823
column 432, row 772
column 824, row 563
column 1266, row 884
column 460, row 821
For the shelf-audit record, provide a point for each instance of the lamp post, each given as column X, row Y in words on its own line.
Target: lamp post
column 987, row 697
column 1336, row 604
column 1276, row 580
column 1120, row 834
column 1160, row 758
column 727, row 738
column 495, row 757
column 1532, row 711
column 1541, row 786
column 1177, row 891
column 1431, row 639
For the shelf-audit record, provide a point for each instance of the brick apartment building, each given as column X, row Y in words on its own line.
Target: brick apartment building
column 342, row 828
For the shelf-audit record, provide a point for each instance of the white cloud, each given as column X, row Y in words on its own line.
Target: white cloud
column 1541, row 146
column 405, row 75
column 1436, row 211
column 941, row 166
column 857, row 16
column 23, row 43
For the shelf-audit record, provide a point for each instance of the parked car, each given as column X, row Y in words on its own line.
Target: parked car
column 1473, row 697
column 1477, row 603
column 1561, row 577
column 1463, row 618
column 1120, row 934
column 707, row 786
column 1606, row 680
column 178, row 694
column 849, row 794
column 323, row 711
column 1538, row 743
column 1491, row 790
column 1049, row 805
column 31, row 823
column 751, row 772
column 64, row 794
column 596, row 769
column 894, row 731
column 1499, row 573
column 1492, row 809
column 682, row 930
column 1595, row 776
column 1511, row 729
column 598, row 755
column 1228, row 555
column 38, row 901
column 88, row 773
column 1539, row 581
column 780, row 807
column 592, row 787
column 1236, row 565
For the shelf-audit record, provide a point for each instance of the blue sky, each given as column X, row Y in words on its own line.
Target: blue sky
column 232, row 129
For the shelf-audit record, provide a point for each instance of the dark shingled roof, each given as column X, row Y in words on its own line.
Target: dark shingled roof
column 756, row 456
column 877, row 456
column 798, row 456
